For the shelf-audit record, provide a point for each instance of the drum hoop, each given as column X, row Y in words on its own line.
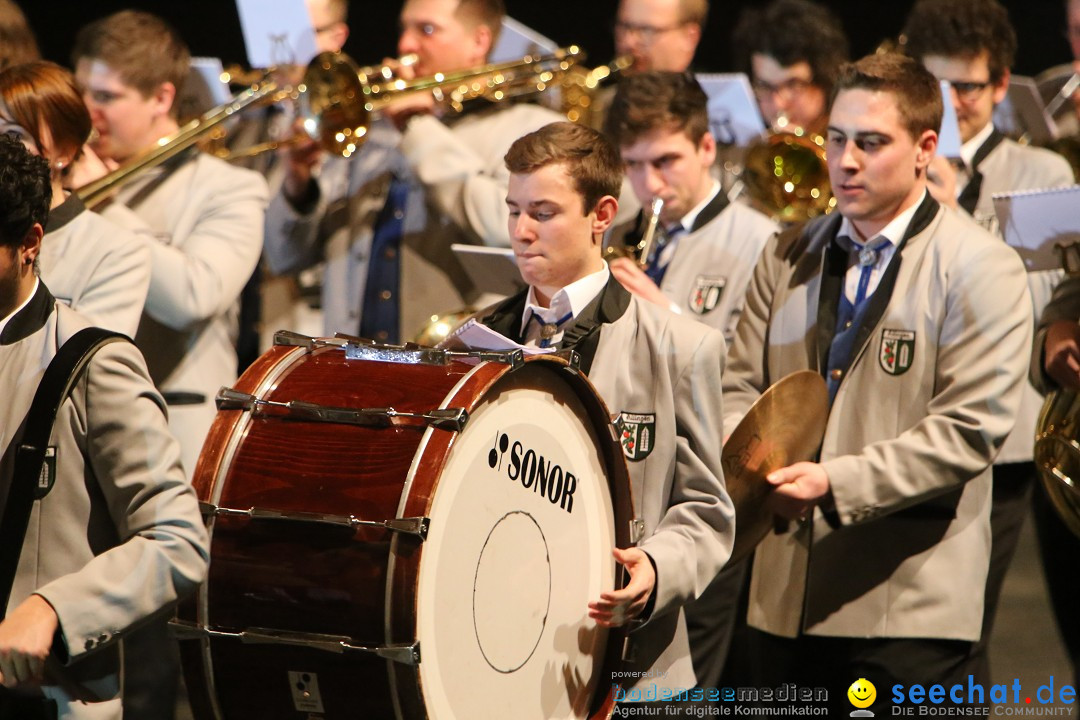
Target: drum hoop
column 401, row 627
column 237, row 430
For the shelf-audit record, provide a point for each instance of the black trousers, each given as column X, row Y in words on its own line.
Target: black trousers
column 1009, row 508
column 835, row 663
column 18, row 707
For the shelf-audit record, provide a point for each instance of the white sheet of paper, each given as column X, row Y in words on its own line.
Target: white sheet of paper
column 734, row 117
column 472, row 335
column 517, row 40
column 276, row 32
column 949, row 135
column 1034, row 222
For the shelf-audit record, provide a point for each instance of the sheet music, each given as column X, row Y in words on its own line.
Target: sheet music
column 276, row 32
column 472, row 335
column 734, row 117
column 1035, row 222
column 516, row 40
column 949, row 134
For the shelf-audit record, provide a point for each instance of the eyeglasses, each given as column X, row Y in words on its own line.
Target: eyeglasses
column 646, row 33
column 969, row 90
column 790, row 88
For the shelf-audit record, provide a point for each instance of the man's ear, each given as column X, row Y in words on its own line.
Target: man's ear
column 163, row 98
column 926, row 148
column 31, row 244
column 604, row 214
column 1001, row 87
column 483, row 42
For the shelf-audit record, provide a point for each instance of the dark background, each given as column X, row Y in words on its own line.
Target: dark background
column 211, row 27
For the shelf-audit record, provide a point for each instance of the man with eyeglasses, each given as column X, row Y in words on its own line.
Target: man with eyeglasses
column 660, row 34
column 791, row 49
column 971, row 43
column 383, row 220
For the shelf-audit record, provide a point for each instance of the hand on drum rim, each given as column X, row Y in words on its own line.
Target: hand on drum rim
column 618, row 607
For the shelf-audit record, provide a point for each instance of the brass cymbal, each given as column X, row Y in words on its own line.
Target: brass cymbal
column 784, row 426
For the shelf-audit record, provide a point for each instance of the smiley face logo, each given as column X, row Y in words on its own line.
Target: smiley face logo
column 862, row 693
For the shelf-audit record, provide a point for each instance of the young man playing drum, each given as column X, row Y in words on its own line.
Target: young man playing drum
column 658, row 373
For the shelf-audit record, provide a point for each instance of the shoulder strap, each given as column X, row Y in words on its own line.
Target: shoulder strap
column 56, row 384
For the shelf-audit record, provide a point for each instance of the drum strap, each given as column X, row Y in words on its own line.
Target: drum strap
column 56, row 384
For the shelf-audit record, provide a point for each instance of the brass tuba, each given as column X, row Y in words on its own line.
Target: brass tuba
column 1057, row 434
column 1057, row 454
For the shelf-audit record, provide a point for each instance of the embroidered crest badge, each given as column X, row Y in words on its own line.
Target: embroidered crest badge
column 897, row 351
column 637, row 433
column 706, row 293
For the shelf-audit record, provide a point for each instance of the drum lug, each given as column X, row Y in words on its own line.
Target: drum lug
column 227, row 398
column 402, row 654
column 417, row 526
column 452, row 419
column 514, row 358
column 572, row 358
column 288, row 338
column 637, row 530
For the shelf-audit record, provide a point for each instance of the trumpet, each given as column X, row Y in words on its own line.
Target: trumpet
column 337, row 100
column 639, row 251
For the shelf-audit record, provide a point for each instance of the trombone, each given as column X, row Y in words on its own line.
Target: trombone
column 337, row 100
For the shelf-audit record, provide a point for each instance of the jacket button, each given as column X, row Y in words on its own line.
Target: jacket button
column 836, row 374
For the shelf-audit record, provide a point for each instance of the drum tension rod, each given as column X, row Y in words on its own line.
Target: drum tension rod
column 452, row 419
column 417, row 526
column 399, row 653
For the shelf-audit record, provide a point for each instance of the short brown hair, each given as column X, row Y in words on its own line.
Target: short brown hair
column 962, row 28
column 590, row 159
column 17, row 43
column 917, row 92
column 142, row 48
column 694, row 11
column 651, row 100
column 43, row 93
column 484, row 12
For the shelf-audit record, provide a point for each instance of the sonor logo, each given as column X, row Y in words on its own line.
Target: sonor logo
column 528, row 467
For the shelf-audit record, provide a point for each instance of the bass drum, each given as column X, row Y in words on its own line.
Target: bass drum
column 405, row 532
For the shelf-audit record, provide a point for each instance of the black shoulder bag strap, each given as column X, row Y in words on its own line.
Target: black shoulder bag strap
column 56, row 384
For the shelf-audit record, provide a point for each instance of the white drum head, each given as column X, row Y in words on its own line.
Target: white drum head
column 522, row 529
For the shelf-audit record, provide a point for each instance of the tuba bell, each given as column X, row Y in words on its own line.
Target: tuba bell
column 786, row 177
column 1057, row 435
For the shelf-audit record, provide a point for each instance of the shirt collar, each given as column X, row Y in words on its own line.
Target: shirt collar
column 968, row 149
column 4, row 322
column 688, row 220
column 569, row 301
column 893, row 232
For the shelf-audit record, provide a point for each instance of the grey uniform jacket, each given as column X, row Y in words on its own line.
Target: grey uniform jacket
column 931, row 392
column 95, row 266
column 457, row 194
column 1010, row 167
column 204, row 219
column 651, row 366
column 118, row 536
column 712, row 265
